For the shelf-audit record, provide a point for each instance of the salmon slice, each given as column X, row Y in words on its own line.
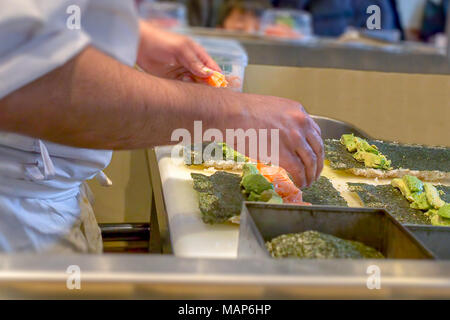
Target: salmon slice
column 282, row 184
column 216, row 79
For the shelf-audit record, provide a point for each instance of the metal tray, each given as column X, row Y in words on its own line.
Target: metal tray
column 436, row 239
column 373, row 227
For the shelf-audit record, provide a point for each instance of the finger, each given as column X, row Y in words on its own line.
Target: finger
column 189, row 59
column 297, row 172
column 234, row 81
column 206, row 58
column 309, row 159
column 316, row 127
column 175, row 72
column 316, row 143
column 187, row 78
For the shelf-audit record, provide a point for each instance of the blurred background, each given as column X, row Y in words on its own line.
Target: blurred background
column 414, row 20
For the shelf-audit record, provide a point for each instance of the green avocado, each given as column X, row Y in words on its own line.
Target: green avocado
column 420, row 201
column 249, row 168
column 363, row 145
column 364, row 152
column 270, row 196
column 400, row 184
column 349, row 141
column 255, row 182
column 372, row 160
column 413, row 183
column 444, row 211
column 433, row 196
column 437, row 220
column 254, row 197
column 231, row 154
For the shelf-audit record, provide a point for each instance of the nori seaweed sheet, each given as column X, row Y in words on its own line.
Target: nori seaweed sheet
column 220, row 196
column 322, row 192
column 391, row 199
column 414, row 157
column 316, row 245
column 193, row 154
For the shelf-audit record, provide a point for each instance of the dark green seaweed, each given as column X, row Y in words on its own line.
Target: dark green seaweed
column 322, row 192
column 414, row 157
column 391, row 199
column 317, row 245
column 220, row 196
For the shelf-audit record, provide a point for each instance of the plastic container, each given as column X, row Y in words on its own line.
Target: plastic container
column 167, row 15
column 286, row 24
column 230, row 56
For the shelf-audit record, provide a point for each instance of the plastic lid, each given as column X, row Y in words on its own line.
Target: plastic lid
column 224, row 49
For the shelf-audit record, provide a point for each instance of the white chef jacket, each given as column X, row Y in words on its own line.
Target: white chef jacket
column 43, row 204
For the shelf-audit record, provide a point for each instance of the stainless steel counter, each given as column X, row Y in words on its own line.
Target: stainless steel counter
column 157, row 276
column 329, row 53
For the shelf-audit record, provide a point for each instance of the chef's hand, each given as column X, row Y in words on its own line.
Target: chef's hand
column 173, row 56
column 300, row 146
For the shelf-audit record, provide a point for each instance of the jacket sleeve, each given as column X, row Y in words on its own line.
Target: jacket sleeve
column 35, row 39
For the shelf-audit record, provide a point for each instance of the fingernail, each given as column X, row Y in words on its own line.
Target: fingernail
column 207, row 70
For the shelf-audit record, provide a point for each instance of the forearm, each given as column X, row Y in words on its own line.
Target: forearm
column 95, row 102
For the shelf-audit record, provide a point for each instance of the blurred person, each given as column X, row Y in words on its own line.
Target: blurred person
column 434, row 19
column 69, row 94
column 238, row 15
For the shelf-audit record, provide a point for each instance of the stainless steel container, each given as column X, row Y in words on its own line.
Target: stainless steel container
column 373, row 227
column 437, row 239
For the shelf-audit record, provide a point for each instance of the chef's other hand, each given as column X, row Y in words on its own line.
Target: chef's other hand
column 173, row 56
column 300, row 145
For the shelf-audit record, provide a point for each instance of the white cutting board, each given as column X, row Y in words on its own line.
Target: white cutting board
column 189, row 235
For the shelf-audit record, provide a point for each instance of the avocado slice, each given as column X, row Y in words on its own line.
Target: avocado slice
column 433, row 196
column 437, row 220
column 444, row 211
column 249, row 168
column 372, row 160
column 255, row 182
column 349, row 141
column 400, row 184
column 363, row 145
column 231, row 154
column 270, row 196
column 420, row 201
column 254, row 197
column 413, row 183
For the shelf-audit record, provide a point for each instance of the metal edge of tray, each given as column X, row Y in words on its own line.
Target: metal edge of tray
column 331, row 123
column 403, row 228
column 159, row 214
column 435, row 238
column 167, row 276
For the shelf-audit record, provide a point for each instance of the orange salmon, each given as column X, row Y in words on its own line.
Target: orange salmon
column 216, row 79
column 282, row 184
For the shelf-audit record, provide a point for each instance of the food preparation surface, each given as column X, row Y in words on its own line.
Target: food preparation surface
column 190, row 236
